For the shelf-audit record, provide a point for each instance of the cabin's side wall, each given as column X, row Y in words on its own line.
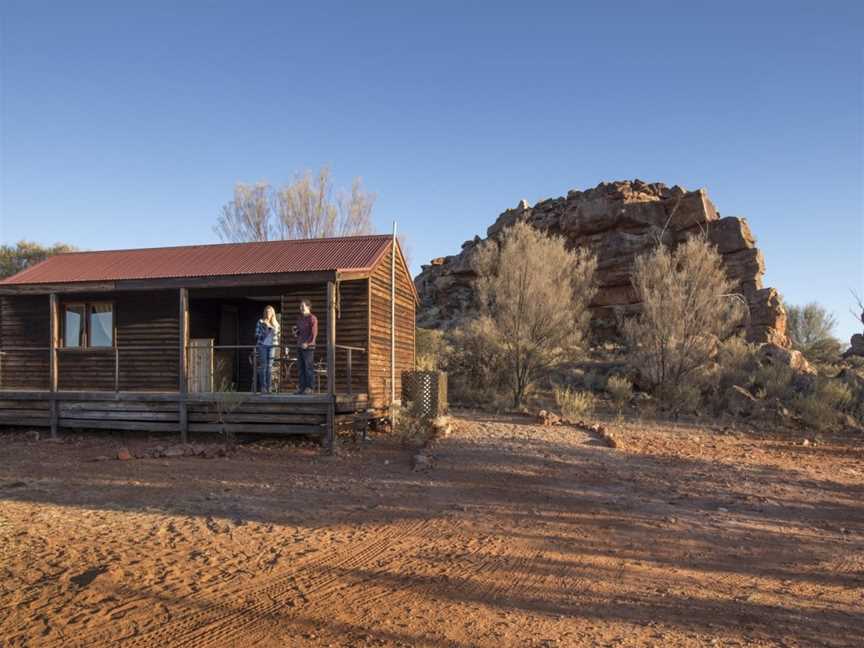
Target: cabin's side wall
column 351, row 328
column 379, row 329
column 25, row 322
column 141, row 319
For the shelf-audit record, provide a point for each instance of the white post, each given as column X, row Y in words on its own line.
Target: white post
column 393, row 320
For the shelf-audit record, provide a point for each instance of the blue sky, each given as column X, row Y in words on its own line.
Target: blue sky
column 127, row 124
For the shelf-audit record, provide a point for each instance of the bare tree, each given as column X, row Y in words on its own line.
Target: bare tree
column 811, row 330
column 305, row 208
column 533, row 294
column 687, row 309
column 355, row 210
column 249, row 217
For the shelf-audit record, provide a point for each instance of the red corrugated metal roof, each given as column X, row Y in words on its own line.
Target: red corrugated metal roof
column 227, row 259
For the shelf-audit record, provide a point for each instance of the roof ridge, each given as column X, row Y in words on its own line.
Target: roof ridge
column 213, row 245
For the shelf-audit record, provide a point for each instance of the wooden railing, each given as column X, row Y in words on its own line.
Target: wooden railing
column 249, row 347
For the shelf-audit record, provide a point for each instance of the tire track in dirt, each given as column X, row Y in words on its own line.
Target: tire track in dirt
column 205, row 626
column 270, row 600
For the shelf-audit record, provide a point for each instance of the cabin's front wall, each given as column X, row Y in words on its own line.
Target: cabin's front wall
column 148, row 319
column 25, row 324
column 379, row 328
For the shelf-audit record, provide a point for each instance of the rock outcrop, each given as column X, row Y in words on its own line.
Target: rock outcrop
column 618, row 221
column 856, row 343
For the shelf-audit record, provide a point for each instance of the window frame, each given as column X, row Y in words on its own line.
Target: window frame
column 85, row 336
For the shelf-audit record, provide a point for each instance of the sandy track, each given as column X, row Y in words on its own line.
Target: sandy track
column 520, row 536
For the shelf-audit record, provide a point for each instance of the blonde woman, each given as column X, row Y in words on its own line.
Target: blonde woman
column 266, row 339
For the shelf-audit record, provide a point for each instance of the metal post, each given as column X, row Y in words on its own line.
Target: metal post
column 350, row 390
column 393, row 319
column 116, row 368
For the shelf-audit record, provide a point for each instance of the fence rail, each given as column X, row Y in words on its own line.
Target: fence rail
column 5, row 351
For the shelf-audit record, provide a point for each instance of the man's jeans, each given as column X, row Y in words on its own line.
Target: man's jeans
column 306, row 368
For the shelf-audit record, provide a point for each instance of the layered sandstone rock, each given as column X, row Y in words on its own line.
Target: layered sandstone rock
column 618, row 221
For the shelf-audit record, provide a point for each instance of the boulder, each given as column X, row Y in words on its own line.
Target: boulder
column 731, row 234
column 546, row 418
column 776, row 355
column 618, row 221
column 856, row 346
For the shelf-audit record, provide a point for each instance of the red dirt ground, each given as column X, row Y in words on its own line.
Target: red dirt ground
column 519, row 536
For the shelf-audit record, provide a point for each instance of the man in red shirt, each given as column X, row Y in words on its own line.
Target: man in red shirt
column 306, row 331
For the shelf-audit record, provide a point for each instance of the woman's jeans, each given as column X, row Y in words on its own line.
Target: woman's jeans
column 265, row 367
column 306, row 367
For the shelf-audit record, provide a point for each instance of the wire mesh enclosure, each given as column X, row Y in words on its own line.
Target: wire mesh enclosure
column 427, row 390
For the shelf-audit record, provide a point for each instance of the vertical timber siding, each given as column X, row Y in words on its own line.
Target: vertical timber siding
column 351, row 327
column 25, row 322
column 141, row 319
column 379, row 329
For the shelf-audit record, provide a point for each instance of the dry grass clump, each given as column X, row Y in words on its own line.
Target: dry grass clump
column 620, row 389
column 574, row 405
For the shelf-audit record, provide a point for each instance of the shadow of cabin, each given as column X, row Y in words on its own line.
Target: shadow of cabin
column 160, row 339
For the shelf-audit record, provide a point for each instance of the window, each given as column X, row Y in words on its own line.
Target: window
column 73, row 326
column 88, row 325
column 101, row 325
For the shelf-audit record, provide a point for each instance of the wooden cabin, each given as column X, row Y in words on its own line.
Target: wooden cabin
column 162, row 339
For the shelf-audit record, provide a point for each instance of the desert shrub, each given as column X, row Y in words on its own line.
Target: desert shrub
column 774, row 381
column 683, row 398
column 621, row 390
column 411, row 427
column 474, row 360
column 687, row 311
column 811, row 331
column 821, row 407
column 736, row 362
column 593, row 381
column 430, row 349
column 574, row 404
column 532, row 299
column 836, row 394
